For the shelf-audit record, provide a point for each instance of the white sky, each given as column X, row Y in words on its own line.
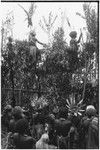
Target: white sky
column 21, row 30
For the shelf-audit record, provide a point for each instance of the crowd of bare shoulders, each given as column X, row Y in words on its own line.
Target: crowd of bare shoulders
column 44, row 129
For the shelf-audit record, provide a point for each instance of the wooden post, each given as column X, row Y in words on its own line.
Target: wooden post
column 19, row 102
column 10, row 60
column 85, row 78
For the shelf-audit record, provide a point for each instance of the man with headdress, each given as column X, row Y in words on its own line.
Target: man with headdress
column 73, row 50
column 21, row 139
column 62, row 127
column 73, row 41
column 32, row 44
column 6, row 117
column 17, row 114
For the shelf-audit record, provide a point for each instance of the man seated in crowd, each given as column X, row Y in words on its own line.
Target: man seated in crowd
column 6, row 117
column 21, row 139
column 90, row 127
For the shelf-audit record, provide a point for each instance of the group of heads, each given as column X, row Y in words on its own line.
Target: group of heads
column 73, row 34
column 89, row 111
column 22, row 124
column 17, row 112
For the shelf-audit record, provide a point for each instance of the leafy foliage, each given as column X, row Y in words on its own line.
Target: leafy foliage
column 30, row 13
column 91, row 20
column 91, row 17
column 47, row 25
column 58, row 75
column 61, row 63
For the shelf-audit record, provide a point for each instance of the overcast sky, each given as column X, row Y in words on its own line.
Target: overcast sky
column 20, row 30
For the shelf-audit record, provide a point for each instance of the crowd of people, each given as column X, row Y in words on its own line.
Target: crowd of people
column 42, row 129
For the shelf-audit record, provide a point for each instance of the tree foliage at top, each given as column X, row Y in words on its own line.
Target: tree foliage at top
column 91, row 20
column 91, row 17
column 47, row 25
column 30, row 13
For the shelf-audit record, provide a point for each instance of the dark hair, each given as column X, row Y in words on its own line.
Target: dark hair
column 17, row 112
column 63, row 112
column 8, row 108
column 9, row 39
column 73, row 34
column 21, row 126
column 75, row 120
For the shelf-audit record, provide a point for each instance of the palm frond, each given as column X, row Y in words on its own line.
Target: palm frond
column 75, row 114
column 50, row 17
column 29, row 13
column 32, row 10
column 73, row 107
column 80, row 102
column 42, row 26
column 79, row 113
column 71, row 100
column 46, row 24
column 81, row 110
column 68, row 102
column 74, row 100
column 82, row 105
column 68, row 22
column 54, row 21
column 77, row 13
column 68, row 106
column 25, row 19
column 23, row 9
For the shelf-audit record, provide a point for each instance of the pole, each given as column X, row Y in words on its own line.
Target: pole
column 2, row 38
column 85, row 78
column 39, row 87
column 12, row 81
column 10, row 62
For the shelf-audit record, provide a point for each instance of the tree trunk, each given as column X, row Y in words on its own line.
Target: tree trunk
column 39, row 87
column 13, row 95
column 85, row 78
